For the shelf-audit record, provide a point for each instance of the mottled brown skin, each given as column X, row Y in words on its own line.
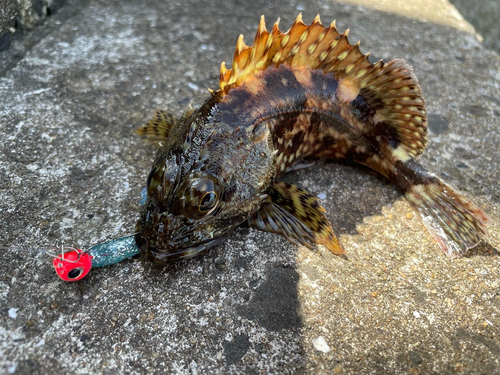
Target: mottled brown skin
column 308, row 120
column 294, row 111
column 200, row 146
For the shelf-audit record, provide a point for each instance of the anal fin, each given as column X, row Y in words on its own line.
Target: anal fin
column 297, row 215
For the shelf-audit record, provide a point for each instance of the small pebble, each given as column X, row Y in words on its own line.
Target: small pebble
column 13, row 313
column 321, row 345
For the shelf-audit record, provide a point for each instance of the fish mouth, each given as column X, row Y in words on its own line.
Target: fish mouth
column 164, row 256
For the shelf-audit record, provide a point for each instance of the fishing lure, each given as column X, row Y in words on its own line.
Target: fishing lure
column 74, row 264
column 307, row 93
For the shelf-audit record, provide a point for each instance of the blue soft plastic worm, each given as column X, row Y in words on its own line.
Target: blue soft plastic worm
column 112, row 252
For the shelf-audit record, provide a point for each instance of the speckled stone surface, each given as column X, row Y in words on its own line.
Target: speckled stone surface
column 16, row 15
column 71, row 171
column 484, row 18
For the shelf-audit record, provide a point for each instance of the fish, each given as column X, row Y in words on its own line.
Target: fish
column 292, row 96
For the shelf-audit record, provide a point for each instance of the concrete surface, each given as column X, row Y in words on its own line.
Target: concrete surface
column 72, row 171
column 435, row 11
column 24, row 15
column 484, row 15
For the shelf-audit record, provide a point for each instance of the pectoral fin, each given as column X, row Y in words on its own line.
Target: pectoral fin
column 297, row 215
column 158, row 128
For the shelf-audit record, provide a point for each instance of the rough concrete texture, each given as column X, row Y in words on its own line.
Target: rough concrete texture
column 7, row 13
column 484, row 16
column 71, row 171
column 23, row 14
column 435, row 11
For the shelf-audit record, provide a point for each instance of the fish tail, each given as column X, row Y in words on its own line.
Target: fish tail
column 455, row 223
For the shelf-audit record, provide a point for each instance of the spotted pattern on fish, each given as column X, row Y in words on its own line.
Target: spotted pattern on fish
column 298, row 215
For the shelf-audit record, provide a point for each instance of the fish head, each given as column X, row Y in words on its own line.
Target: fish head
column 208, row 178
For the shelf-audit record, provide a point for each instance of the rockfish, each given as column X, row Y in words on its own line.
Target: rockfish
column 307, row 93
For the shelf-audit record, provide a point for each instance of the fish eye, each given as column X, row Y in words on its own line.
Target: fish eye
column 201, row 197
column 208, row 201
column 155, row 179
column 160, row 178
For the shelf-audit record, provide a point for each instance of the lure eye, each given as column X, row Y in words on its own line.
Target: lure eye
column 201, row 198
column 74, row 273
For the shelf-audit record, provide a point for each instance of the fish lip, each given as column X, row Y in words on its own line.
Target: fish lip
column 170, row 253
column 164, row 256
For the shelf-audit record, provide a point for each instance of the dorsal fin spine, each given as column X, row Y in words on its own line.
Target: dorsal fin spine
column 262, row 27
column 299, row 19
column 319, row 47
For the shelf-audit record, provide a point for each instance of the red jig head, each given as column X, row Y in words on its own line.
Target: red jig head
column 72, row 265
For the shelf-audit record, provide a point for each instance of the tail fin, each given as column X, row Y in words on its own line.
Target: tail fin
column 455, row 223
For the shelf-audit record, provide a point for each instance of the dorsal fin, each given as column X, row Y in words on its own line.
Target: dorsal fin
column 390, row 87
